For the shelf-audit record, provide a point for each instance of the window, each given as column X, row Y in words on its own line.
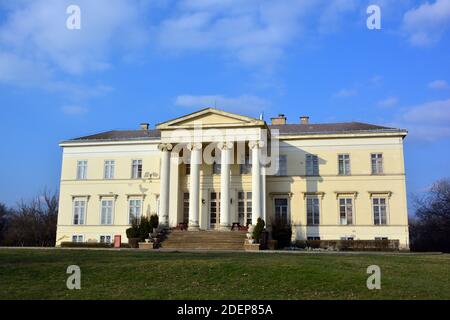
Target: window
column 186, row 207
column 77, row 238
column 313, row 238
column 109, row 169
column 79, row 211
column 312, row 165
column 216, row 168
column 246, row 167
column 347, row 238
column 105, row 239
column 136, row 169
column 214, row 210
column 245, row 208
column 379, row 211
column 344, row 164
column 313, row 211
column 82, row 170
column 381, row 238
column 346, row 211
column 282, row 165
column 187, row 169
column 281, row 210
column 377, row 163
column 135, row 207
column 106, row 212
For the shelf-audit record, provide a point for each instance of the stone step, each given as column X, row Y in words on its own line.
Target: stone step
column 205, row 240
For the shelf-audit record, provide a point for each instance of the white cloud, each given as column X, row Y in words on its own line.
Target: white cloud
column 246, row 103
column 388, row 102
column 439, row 84
column 74, row 110
column 346, row 93
column 429, row 121
column 426, row 24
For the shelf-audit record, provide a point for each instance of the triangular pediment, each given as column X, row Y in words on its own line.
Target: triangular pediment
column 212, row 118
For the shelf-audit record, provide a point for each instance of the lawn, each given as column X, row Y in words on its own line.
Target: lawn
column 41, row 274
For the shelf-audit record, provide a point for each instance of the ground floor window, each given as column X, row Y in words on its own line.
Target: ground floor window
column 379, row 211
column 281, row 210
column 186, row 207
column 381, row 238
column 77, row 238
column 135, row 210
column 346, row 211
column 105, row 239
column 106, row 215
column 313, row 210
column 245, row 208
column 79, row 211
column 313, row 238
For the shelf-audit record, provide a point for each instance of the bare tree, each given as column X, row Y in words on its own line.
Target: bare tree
column 33, row 223
column 430, row 229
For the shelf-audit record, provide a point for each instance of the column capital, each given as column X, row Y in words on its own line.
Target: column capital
column 256, row 144
column 194, row 146
column 225, row 145
column 165, row 146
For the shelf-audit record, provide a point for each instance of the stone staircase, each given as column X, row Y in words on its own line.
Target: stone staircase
column 204, row 240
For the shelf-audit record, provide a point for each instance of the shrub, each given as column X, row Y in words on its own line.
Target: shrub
column 282, row 232
column 144, row 228
column 85, row 245
column 154, row 221
column 259, row 228
column 133, row 232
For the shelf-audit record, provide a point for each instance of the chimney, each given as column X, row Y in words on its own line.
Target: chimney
column 144, row 126
column 304, row 120
column 280, row 120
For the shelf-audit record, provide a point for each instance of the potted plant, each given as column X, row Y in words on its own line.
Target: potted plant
column 133, row 234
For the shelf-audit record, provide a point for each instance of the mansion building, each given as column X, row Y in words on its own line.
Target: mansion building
column 213, row 169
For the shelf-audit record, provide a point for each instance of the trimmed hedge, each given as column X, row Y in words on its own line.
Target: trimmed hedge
column 91, row 245
column 350, row 245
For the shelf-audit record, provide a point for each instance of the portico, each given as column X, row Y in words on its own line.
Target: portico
column 212, row 147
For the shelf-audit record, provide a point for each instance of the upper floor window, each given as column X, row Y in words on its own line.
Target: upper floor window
column 246, row 167
column 346, row 211
column 82, row 170
column 106, row 215
column 312, row 165
column 136, row 169
column 79, row 211
column 313, row 210
column 282, row 165
column 109, row 169
column 379, row 211
column 135, row 210
column 377, row 163
column 344, row 164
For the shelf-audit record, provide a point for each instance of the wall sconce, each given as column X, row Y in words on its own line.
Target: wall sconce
column 231, row 200
column 203, row 201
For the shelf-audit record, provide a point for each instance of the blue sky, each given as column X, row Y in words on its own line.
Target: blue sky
column 148, row 61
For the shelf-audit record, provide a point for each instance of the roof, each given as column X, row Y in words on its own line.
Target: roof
column 284, row 130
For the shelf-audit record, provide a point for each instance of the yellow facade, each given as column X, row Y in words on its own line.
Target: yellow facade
column 295, row 186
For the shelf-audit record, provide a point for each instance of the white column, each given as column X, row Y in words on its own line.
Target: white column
column 225, row 214
column 164, row 184
column 194, row 191
column 255, row 146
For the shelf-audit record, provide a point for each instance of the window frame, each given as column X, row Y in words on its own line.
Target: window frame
column 345, row 198
column 139, row 164
column 112, row 210
column 78, row 235
column 129, row 208
column 314, row 159
column 345, row 171
column 379, row 167
column 111, row 240
column 79, row 199
column 109, row 169
column 386, row 204
column 319, row 205
column 83, row 173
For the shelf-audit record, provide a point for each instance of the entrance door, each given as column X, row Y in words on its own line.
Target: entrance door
column 214, row 210
column 245, row 208
column 281, row 210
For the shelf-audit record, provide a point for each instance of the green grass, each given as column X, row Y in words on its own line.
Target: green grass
column 41, row 274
